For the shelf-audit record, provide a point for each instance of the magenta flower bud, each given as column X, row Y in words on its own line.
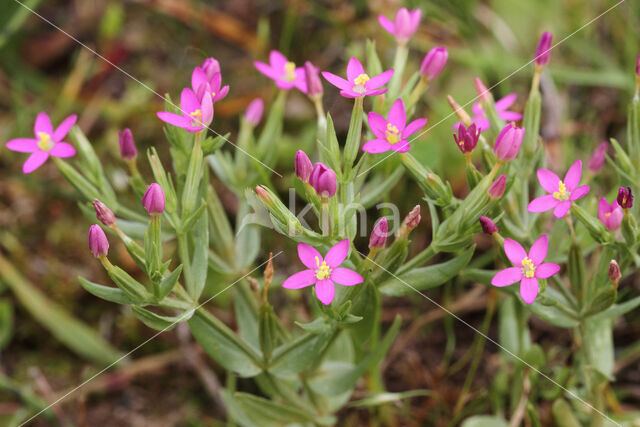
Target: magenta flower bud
column 433, row 62
column 153, row 199
column 638, row 66
column 467, row 138
column 254, row 111
column 543, row 52
column 210, row 66
column 303, row 166
column 323, row 180
column 128, row 148
column 379, row 234
column 404, row 25
column 508, row 142
column 312, row 78
column 488, row 226
column 610, row 214
column 103, row 213
column 483, row 93
column 614, row 272
column 413, row 218
column 496, row 190
column 98, row 243
column 625, row 197
column 596, row 161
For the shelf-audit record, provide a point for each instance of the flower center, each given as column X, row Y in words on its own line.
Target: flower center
column 528, row 268
column 196, row 117
column 45, row 143
column 323, row 271
column 360, row 81
column 607, row 215
column 562, row 194
column 290, row 71
column 392, row 133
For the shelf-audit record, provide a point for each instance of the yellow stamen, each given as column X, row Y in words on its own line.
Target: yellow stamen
column 361, row 79
column 562, row 194
column 607, row 215
column 45, row 143
column 290, row 71
column 392, row 133
column 528, row 268
column 323, row 271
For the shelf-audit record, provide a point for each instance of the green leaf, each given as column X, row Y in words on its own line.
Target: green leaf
column 598, row 345
column 563, row 414
column 247, row 245
column 246, row 310
column 200, row 263
column 384, row 398
column 299, row 354
column 617, row 310
column 193, row 179
column 6, row 322
column 169, row 281
column 423, row 278
column 377, row 188
column 602, row 300
column 223, row 345
column 484, row 421
column 531, row 123
column 576, row 271
column 105, row 292
column 367, row 306
column 133, row 289
column 157, row 321
column 268, row 413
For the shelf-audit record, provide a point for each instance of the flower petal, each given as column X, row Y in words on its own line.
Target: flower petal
column 561, row 210
column 206, row 108
column 42, row 124
column 337, row 81
column 354, row 69
column 401, row 146
column 301, row 279
column 374, row 92
column 351, row 94
column 397, row 115
column 22, row 145
column 529, row 289
column 221, row 94
column 377, row 124
column 198, row 77
column 546, row 270
column 265, row 69
column 337, row 253
column 542, row 203
column 579, row 192
column 63, row 128
column 510, row 116
column 376, row 146
column 277, row 60
column 515, row 252
column 309, row 256
column 188, row 101
column 481, row 123
column 387, row 25
column 506, row 102
column 34, row 161
column 413, row 127
column 345, row 276
column 63, row 149
column 325, row 291
column 548, row 180
column 173, row 119
column 507, row 277
column 572, row 178
column 380, row 80
column 538, row 251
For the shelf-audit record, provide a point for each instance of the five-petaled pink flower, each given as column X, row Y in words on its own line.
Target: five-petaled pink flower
column 528, row 268
column 196, row 114
column 404, row 25
column 47, row 142
column 323, row 272
column 283, row 72
column 610, row 214
column 561, row 193
column 203, row 80
column 391, row 134
column 359, row 83
column 480, row 118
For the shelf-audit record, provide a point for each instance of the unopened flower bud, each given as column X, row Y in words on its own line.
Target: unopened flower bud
column 263, row 194
column 379, row 234
column 303, row 166
column 323, row 180
column 508, row 142
column 128, row 148
column 462, row 115
column 488, row 226
column 543, row 52
column 483, row 93
column 433, row 62
column 153, row 199
column 312, row 77
column 413, row 218
column 103, row 213
column 98, row 243
column 496, row 190
column 614, row 272
column 638, row 66
column 210, row 66
column 253, row 113
column 596, row 161
column 467, row 138
column 625, row 197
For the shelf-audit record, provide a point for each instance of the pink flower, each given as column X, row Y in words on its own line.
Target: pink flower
column 467, row 138
column 496, row 190
column 433, row 62
column 323, row 180
column 528, row 268
column 205, row 80
column 153, row 199
column 502, row 105
column 196, row 114
column 543, row 51
column 323, row 272
column 508, row 142
column 47, row 142
column 610, row 214
column 253, row 113
column 561, row 193
column 283, row 72
column 359, row 83
column 98, row 243
column 404, row 26
column 597, row 159
column 391, row 134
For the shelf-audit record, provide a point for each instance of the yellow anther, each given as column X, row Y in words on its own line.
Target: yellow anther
column 562, row 194
column 361, row 79
column 290, row 71
column 323, row 271
column 45, row 143
column 392, row 133
column 528, row 267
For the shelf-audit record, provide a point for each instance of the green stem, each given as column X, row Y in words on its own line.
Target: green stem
column 185, row 259
column 352, row 145
column 417, row 92
column 421, row 258
column 399, row 63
